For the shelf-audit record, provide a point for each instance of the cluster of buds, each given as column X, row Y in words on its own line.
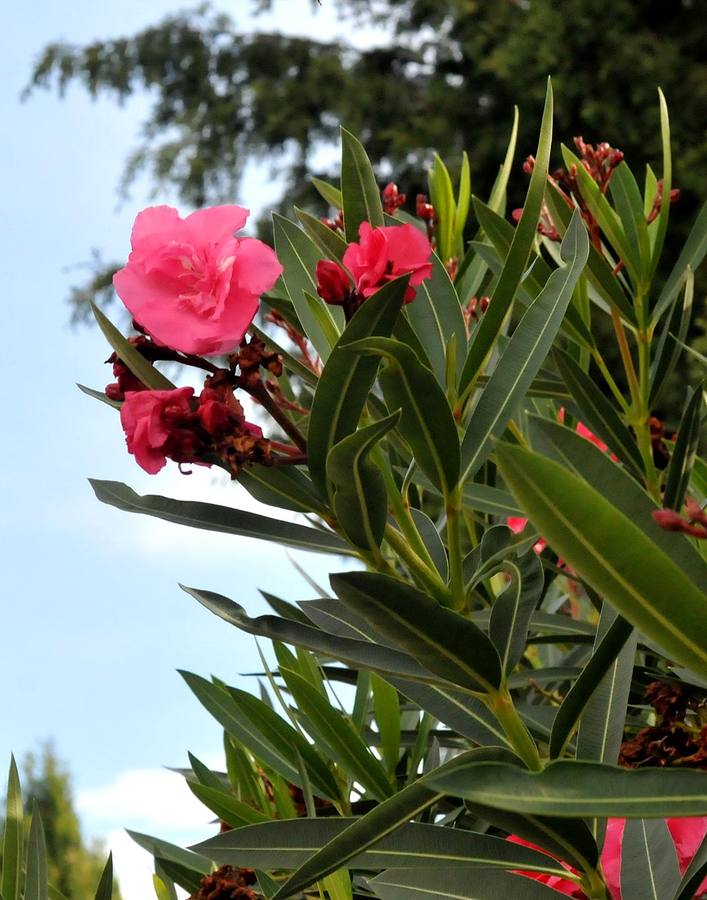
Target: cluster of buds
column 693, row 523
column 661, row 454
column 475, row 308
column 337, row 223
column 426, row 212
column 392, row 198
column 654, row 211
column 228, row 883
column 599, row 161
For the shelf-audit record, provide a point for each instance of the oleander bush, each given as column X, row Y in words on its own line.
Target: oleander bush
column 518, row 609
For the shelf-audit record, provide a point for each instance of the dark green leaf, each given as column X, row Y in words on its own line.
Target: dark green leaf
column 444, row 642
column 525, row 353
column 685, row 451
column 597, row 412
column 615, row 556
column 223, row 519
column 517, row 258
column 99, row 395
column 288, row 845
column 672, row 337
column 458, row 884
column 694, row 874
column 568, row 788
column 346, row 380
column 36, row 871
column 427, row 423
column 360, row 497
column 359, row 190
column 606, row 652
column 649, row 863
column 281, row 486
column 105, row 885
column 133, row 359
column 329, row 241
column 513, row 608
column 13, row 838
column 170, row 853
column 331, row 194
column 691, row 256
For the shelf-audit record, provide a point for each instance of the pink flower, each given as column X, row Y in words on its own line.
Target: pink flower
column 158, row 425
column 687, row 835
column 383, row 254
column 517, row 524
column 190, row 283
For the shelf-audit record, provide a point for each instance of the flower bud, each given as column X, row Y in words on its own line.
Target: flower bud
column 333, row 284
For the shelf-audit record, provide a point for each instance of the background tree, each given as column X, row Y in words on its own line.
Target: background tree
column 448, row 79
column 73, row 868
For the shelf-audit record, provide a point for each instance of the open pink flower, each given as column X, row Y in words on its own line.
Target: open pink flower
column 385, row 253
column 687, row 835
column 190, row 283
column 158, row 425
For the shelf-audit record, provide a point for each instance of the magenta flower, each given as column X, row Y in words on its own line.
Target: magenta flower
column 190, row 283
column 158, row 425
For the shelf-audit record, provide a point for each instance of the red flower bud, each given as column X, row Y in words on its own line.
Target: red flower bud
column 392, row 198
column 333, row 284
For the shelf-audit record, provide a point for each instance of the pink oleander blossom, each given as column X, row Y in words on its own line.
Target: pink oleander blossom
column 385, row 253
column 687, row 835
column 190, row 282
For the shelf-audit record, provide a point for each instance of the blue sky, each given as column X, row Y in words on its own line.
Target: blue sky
column 93, row 624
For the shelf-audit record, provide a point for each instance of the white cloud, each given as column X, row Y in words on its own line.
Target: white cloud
column 154, row 801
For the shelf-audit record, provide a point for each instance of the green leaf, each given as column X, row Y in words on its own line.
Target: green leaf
column 568, row 788
column 224, row 519
column 694, row 874
column 497, row 200
column 444, row 642
column 99, row 395
column 227, row 807
column 435, row 315
column 36, row 872
column 664, row 214
column 672, row 337
column 337, row 738
column 615, row 556
column 597, row 412
column 585, row 459
column 331, row 194
column 685, row 451
column 517, row 258
column 601, row 726
column 324, row 315
column 133, row 359
column 513, row 608
column 354, row 653
column 427, row 423
column 347, row 378
column 264, row 732
column 691, row 256
column 383, row 820
column 328, row 240
column 433, row 542
column 442, row 197
column 629, row 205
column 601, row 209
column 161, row 889
column 13, row 838
column 386, row 706
column 105, row 885
column 299, row 256
column 463, row 203
column 359, row 190
column 282, row 486
column 649, row 863
column 170, row 853
column 606, row 651
column 501, row 233
column 458, row 884
column 459, row 711
column 288, row 845
column 525, row 353
column 599, row 271
column 360, row 497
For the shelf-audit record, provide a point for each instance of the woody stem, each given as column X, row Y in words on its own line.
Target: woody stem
column 259, row 392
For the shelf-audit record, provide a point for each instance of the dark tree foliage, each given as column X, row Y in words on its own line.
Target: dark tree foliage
column 448, row 80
